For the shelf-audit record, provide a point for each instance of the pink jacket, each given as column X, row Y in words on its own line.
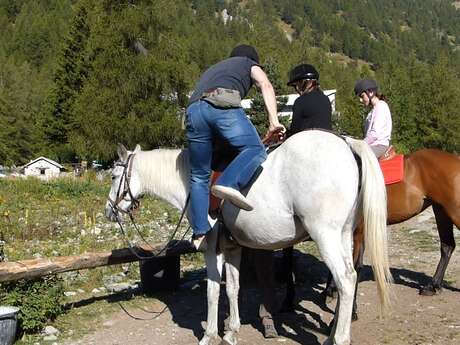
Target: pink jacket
column 378, row 125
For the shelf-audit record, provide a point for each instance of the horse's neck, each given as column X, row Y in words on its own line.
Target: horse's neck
column 164, row 173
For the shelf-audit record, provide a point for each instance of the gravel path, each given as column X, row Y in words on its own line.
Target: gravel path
column 415, row 320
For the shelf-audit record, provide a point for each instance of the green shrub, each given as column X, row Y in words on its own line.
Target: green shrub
column 39, row 301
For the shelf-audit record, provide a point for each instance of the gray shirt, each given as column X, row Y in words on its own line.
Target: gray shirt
column 233, row 73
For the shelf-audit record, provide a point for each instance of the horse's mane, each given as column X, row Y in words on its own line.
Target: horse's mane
column 164, row 171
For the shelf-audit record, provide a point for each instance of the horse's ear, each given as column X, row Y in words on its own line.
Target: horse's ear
column 122, row 152
column 137, row 149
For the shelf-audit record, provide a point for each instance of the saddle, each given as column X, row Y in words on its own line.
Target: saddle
column 392, row 165
column 214, row 201
column 389, row 154
column 223, row 153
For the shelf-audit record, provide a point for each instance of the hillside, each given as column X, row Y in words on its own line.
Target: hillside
column 78, row 76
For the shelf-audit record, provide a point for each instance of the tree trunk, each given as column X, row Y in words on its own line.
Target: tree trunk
column 30, row 269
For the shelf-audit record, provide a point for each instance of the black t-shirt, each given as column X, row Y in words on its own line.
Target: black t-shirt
column 311, row 110
column 233, row 73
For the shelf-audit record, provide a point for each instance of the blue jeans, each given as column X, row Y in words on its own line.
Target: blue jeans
column 203, row 123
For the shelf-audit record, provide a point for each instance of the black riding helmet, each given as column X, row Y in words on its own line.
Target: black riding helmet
column 302, row 72
column 245, row 50
column 364, row 85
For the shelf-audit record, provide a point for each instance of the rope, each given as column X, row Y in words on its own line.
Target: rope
column 158, row 313
column 166, row 247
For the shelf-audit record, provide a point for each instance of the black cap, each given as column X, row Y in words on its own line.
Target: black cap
column 364, row 85
column 246, row 51
column 301, row 72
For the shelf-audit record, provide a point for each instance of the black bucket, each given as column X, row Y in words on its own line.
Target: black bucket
column 8, row 324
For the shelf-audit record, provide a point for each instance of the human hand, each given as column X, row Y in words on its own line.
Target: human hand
column 274, row 134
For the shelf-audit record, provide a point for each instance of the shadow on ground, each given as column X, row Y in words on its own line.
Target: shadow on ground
column 188, row 304
column 405, row 277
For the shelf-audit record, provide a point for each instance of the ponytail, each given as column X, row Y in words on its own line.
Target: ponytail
column 313, row 86
column 382, row 97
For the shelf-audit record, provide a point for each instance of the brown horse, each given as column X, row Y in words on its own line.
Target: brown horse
column 431, row 178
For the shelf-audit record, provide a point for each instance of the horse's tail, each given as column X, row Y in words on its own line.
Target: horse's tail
column 373, row 203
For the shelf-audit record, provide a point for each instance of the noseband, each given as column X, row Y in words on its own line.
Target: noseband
column 124, row 181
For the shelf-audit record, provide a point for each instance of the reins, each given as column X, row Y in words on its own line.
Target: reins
column 125, row 181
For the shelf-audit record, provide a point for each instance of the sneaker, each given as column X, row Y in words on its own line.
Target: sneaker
column 199, row 242
column 232, row 195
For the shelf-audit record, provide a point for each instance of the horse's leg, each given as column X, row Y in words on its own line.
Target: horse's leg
column 358, row 255
column 446, row 235
column 214, row 263
column 288, row 265
column 335, row 250
column 232, row 253
column 263, row 263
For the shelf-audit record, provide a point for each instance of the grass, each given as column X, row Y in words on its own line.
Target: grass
column 81, row 320
column 64, row 217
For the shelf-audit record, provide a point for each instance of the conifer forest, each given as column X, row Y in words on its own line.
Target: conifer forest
column 79, row 76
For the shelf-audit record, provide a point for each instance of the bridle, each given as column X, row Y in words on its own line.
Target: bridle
column 120, row 196
column 123, row 191
column 124, row 188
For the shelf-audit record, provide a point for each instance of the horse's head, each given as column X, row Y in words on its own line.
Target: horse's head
column 126, row 186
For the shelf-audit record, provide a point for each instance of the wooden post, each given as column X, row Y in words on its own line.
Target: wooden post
column 160, row 274
column 30, row 269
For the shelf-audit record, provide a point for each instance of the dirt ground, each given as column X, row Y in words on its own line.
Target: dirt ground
column 415, row 319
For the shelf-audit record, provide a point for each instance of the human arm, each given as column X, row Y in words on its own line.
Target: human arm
column 381, row 125
column 275, row 129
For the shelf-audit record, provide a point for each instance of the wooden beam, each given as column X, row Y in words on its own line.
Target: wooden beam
column 30, row 269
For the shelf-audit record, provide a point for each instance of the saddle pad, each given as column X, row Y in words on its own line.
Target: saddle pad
column 393, row 169
column 214, row 202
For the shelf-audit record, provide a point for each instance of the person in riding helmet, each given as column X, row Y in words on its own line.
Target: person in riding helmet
column 214, row 111
column 312, row 109
column 378, row 123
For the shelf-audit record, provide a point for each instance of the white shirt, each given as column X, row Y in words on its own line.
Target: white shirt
column 378, row 125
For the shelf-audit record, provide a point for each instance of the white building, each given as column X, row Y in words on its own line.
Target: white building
column 286, row 110
column 44, row 168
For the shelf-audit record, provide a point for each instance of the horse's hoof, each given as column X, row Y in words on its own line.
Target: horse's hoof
column 269, row 329
column 230, row 338
column 270, row 333
column 205, row 341
column 429, row 290
column 354, row 316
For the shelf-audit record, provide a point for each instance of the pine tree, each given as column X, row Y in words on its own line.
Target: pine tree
column 397, row 83
column 439, row 107
column 57, row 118
column 129, row 97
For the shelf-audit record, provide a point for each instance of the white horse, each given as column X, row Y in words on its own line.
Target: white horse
column 308, row 188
